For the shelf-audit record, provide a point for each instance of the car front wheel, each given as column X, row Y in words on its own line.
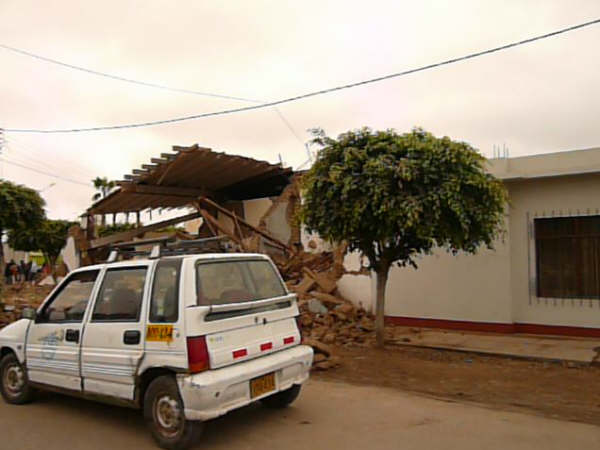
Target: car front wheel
column 14, row 385
column 163, row 411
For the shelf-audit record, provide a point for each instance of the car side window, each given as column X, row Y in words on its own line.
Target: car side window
column 70, row 302
column 164, row 307
column 121, row 294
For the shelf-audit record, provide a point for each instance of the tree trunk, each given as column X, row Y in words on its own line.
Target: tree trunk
column 382, row 276
column 2, row 264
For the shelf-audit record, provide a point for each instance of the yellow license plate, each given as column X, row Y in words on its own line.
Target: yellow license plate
column 262, row 385
column 159, row 333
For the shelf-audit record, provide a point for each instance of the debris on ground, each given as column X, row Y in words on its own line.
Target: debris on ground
column 15, row 297
column 326, row 317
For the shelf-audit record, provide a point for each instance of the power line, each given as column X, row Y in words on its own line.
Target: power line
column 19, row 150
column 310, row 94
column 43, row 172
column 153, row 85
column 127, row 80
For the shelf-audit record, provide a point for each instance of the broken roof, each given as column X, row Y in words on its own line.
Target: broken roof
column 176, row 179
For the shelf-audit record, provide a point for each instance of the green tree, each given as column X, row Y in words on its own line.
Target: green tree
column 20, row 209
column 395, row 196
column 107, row 230
column 49, row 237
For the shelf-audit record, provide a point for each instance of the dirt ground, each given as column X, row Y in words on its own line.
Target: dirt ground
column 373, row 418
column 545, row 388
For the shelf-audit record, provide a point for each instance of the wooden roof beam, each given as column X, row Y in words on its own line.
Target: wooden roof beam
column 165, row 190
column 130, row 234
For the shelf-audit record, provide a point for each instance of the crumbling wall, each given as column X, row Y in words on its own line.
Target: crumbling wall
column 70, row 254
column 356, row 284
column 255, row 209
column 280, row 219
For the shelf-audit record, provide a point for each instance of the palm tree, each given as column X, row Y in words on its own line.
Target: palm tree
column 104, row 187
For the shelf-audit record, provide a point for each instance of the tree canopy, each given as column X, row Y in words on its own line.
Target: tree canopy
column 396, row 196
column 49, row 237
column 20, row 208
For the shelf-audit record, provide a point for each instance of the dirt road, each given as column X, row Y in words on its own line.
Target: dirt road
column 327, row 416
column 548, row 389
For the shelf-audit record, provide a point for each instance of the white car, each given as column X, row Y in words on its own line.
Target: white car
column 184, row 338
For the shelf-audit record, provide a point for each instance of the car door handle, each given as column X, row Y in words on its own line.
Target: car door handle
column 131, row 337
column 72, row 336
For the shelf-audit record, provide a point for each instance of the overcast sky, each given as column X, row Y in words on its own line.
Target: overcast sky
column 539, row 98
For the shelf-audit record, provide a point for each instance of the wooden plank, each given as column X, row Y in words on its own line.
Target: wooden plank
column 210, row 219
column 246, row 224
column 198, row 167
column 130, row 234
column 208, row 223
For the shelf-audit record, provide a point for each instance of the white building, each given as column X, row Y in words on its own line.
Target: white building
column 543, row 278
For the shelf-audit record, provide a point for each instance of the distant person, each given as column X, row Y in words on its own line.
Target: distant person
column 33, row 271
column 14, row 271
column 28, row 267
column 23, row 270
column 7, row 273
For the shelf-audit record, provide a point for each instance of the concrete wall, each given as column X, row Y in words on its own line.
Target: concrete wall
column 255, row 209
column 548, row 197
column 15, row 255
column 498, row 286
column 359, row 289
column 463, row 287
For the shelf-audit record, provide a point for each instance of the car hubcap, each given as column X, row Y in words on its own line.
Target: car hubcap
column 168, row 414
column 14, row 379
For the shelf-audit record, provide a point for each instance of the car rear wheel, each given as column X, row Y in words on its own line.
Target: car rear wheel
column 14, row 385
column 163, row 411
column 283, row 398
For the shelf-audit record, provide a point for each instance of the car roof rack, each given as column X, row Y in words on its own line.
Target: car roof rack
column 169, row 246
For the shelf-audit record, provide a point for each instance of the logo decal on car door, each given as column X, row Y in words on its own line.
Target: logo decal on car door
column 50, row 343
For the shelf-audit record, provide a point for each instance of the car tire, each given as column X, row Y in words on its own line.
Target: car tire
column 14, row 384
column 164, row 415
column 283, row 398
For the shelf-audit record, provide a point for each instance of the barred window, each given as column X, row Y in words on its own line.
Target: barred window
column 568, row 257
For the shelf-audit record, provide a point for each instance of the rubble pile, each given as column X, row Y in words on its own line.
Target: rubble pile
column 326, row 317
column 15, row 297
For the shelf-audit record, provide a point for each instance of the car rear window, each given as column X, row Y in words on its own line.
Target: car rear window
column 224, row 282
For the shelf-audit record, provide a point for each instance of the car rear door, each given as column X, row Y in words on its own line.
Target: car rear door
column 165, row 344
column 53, row 341
column 113, row 346
column 250, row 312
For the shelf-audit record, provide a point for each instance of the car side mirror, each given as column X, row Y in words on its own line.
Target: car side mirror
column 29, row 313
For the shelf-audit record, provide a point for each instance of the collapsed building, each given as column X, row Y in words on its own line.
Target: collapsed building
column 253, row 205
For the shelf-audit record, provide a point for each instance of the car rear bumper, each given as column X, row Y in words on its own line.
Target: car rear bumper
column 213, row 393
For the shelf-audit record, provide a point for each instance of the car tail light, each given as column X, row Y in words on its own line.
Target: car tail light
column 288, row 340
column 198, row 359
column 299, row 325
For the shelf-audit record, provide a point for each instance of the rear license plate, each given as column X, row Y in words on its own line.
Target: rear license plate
column 262, row 385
